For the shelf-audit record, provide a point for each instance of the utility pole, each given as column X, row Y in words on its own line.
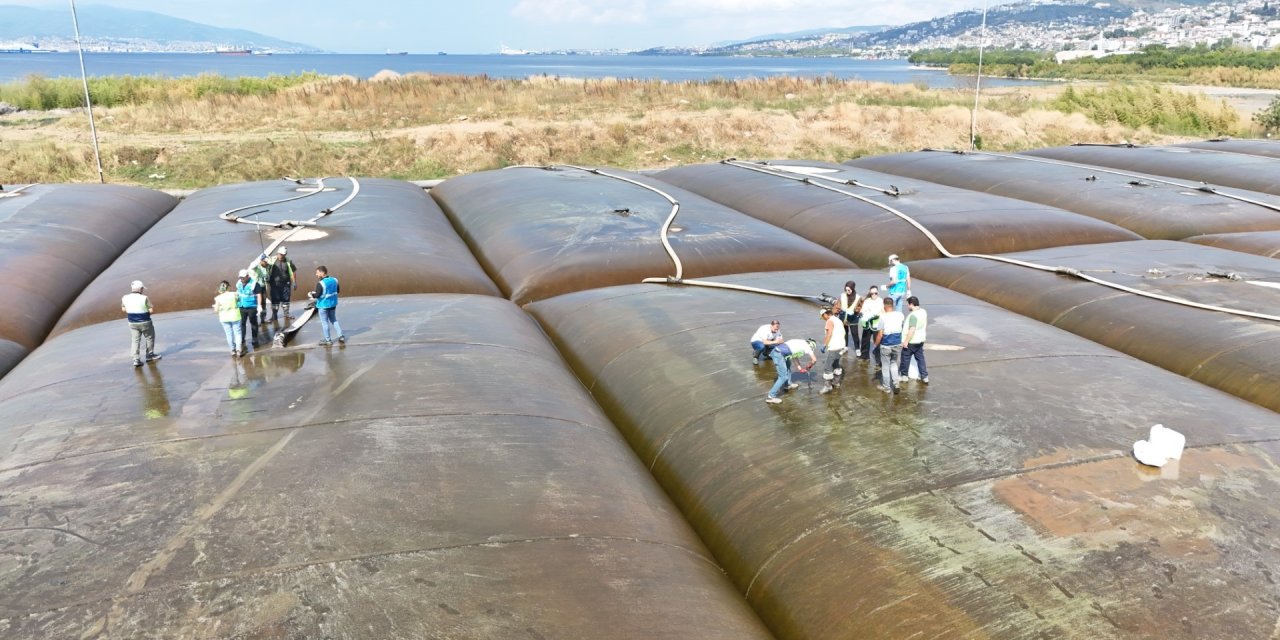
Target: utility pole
column 88, row 104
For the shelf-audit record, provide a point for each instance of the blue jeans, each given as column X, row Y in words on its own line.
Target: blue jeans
column 897, row 301
column 329, row 317
column 784, row 372
column 762, row 350
column 232, row 329
column 909, row 351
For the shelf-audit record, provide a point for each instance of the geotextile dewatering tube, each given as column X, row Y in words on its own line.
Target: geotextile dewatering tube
column 678, row 278
column 1022, row 263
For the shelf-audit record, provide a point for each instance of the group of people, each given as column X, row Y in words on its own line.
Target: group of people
column 242, row 310
column 875, row 328
column 242, row 307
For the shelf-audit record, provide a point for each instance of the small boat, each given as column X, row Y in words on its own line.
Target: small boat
column 397, row 53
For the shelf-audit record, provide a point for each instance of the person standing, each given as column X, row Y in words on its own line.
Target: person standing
column 851, row 305
column 783, row 356
column 228, row 308
column 283, row 283
column 326, row 297
column 261, row 277
column 833, row 345
column 889, row 342
column 899, row 285
column 917, row 321
column 765, row 339
column 872, row 307
column 249, row 295
column 137, row 308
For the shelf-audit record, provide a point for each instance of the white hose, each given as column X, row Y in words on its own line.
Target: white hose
column 14, row 192
column 1030, row 265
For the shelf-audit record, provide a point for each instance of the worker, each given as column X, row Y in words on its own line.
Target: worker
column 783, row 356
column 138, row 309
column 262, row 276
column 899, row 285
column 249, row 295
column 889, row 343
column 872, row 306
column 228, row 307
column 913, row 341
column 764, row 340
column 326, row 297
column 850, row 305
column 283, row 283
column 833, row 345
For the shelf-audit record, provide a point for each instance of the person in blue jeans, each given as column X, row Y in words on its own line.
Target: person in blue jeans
column 783, row 355
column 899, row 286
column 326, row 297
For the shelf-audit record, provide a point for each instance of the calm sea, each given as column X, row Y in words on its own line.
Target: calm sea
column 17, row 66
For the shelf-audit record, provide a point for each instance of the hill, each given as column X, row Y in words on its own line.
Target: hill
column 105, row 28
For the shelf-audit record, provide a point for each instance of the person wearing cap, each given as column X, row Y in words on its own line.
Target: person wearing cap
column 137, row 308
column 228, row 308
column 913, row 341
column 872, row 307
column 326, row 297
column 783, row 356
column 833, row 345
column 899, row 285
column 765, row 339
column 889, row 342
column 283, row 284
column 249, row 295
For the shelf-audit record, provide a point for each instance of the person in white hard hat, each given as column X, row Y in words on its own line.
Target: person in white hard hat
column 137, row 308
column 283, row 283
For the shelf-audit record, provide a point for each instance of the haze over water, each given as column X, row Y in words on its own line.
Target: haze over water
column 18, row 66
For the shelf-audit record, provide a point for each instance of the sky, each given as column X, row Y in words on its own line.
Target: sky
column 481, row 26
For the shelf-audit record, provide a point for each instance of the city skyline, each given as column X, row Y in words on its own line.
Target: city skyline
column 482, row 26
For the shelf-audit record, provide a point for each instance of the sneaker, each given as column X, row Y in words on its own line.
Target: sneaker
column 793, row 386
column 342, row 339
column 773, row 399
column 839, row 372
column 884, row 388
column 325, row 343
column 755, row 361
column 857, row 353
column 828, row 376
column 825, row 389
column 925, row 379
column 897, row 389
column 137, row 363
column 152, row 356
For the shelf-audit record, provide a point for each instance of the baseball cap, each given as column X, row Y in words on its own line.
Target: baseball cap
column 893, row 256
column 244, row 272
column 136, row 285
column 813, row 344
column 283, row 250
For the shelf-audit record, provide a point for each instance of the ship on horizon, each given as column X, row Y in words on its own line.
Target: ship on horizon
column 508, row 51
column 233, row 52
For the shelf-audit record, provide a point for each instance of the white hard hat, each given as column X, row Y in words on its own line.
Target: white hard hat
column 136, row 285
column 244, row 272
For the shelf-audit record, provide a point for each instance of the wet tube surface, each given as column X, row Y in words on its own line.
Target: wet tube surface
column 1262, row 243
column 1254, row 173
column 391, row 238
column 1235, row 354
column 541, row 232
column 863, row 231
column 54, row 240
column 442, row 474
column 999, row 500
column 1256, row 147
column 1147, row 205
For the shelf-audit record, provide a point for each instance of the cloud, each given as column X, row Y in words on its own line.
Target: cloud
column 596, row 12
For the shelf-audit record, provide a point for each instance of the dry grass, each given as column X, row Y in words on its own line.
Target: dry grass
column 425, row 126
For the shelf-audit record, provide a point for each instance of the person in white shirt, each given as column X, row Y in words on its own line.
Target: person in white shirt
column 137, row 308
column 913, row 340
column 783, row 356
column 833, row 345
column 765, row 339
column 889, row 342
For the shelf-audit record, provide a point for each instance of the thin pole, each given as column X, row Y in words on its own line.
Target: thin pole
column 977, row 86
column 84, row 80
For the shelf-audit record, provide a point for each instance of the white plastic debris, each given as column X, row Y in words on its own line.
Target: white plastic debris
column 1161, row 446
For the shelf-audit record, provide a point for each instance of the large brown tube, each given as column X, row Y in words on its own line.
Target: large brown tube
column 442, row 475
column 54, row 239
column 1262, row 243
column 1266, row 148
column 1254, row 173
column 541, row 233
column 998, row 501
column 965, row 221
column 1152, row 209
column 1234, row 354
column 390, row 239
